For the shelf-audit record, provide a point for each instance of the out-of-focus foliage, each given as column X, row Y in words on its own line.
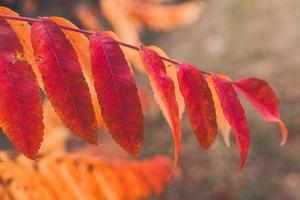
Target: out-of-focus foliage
column 61, row 176
column 83, row 173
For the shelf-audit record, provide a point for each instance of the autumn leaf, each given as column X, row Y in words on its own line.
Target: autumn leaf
column 157, row 172
column 264, row 99
column 63, row 79
column 164, row 17
column 88, row 18
column 117, row 92
column 20, row 99
column 222, row 122
column 172, row 73
column 199, row 102
column 234, row 113
column 23, row 32
column 141, row 181
column 164, row 94
column 109, row 182
column 63, row 176
column 80, row 44
column 114, row 12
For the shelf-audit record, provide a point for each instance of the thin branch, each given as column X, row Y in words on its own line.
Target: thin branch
column 129, row 46
column 19, row 18
column 170, row 60
column 78, row 30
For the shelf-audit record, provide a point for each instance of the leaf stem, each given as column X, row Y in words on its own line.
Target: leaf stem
column 19, row 18
column 170, row 60
column 129, row 46
column 78, row 30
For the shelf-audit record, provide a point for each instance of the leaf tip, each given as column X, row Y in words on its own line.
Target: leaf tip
column 30, row 154
column 284, row 132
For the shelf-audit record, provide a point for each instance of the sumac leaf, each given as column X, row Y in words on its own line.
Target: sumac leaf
column 80, row 44
column 63, row 79
column 164, row 94
column 172, row 73
column 199, row 103
column 117, row 92
column 222, row 122
column 23, row 32
column 21, row 114
column 234, row 113
column 264, row 99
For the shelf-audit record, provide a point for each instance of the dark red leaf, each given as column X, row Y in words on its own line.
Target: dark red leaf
column 234, row 113
column 21, row 114
column 199, row 103
column 163, row 88
column 117, row 92
column 264, row 99
column 63, row 79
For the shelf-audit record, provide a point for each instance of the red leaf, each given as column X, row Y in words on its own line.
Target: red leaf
column 172, row 73
column 264, row 99
column 117, row 92
column 81, row 45
column 63, row 79
column 222, row 122
column 163, row 88
column 234, row 113
column 199, row 102
column 21, row 114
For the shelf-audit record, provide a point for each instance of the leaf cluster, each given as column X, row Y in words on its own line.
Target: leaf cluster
column 90, row 84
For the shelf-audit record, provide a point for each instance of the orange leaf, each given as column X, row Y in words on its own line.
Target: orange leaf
column 88, row 17
column 118, row 17
column 160, row 17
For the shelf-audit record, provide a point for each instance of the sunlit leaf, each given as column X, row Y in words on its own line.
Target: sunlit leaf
column 164, row 94
column 222, row 122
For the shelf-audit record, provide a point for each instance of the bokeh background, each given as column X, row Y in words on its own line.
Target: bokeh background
column 240, row 39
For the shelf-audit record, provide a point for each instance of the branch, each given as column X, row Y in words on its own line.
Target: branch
column 78, row 30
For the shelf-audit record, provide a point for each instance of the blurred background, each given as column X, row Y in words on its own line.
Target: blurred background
column 235, row 37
